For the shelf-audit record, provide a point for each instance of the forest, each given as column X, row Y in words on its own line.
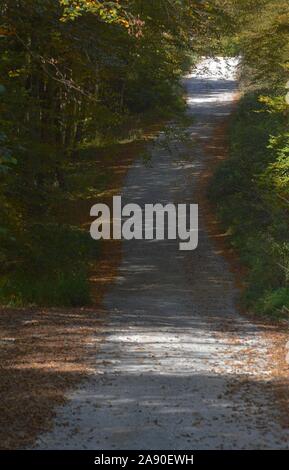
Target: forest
column 134, row 343
column 79, row 76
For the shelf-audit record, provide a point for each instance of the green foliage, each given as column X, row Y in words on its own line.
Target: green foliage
column 276, row 301
column 6, row 158
column 251, row 188
column 261, row 29
column 69, row 290
column 51, row 267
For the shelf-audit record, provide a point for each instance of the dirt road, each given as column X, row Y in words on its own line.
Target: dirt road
column 179, row 368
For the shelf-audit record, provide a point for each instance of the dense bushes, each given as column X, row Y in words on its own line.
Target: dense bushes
column 52, row 267
column 252, row 191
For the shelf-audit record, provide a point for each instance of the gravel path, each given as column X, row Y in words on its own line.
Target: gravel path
column 179, row 368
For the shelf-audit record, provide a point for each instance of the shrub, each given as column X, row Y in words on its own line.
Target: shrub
column 52, row 269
